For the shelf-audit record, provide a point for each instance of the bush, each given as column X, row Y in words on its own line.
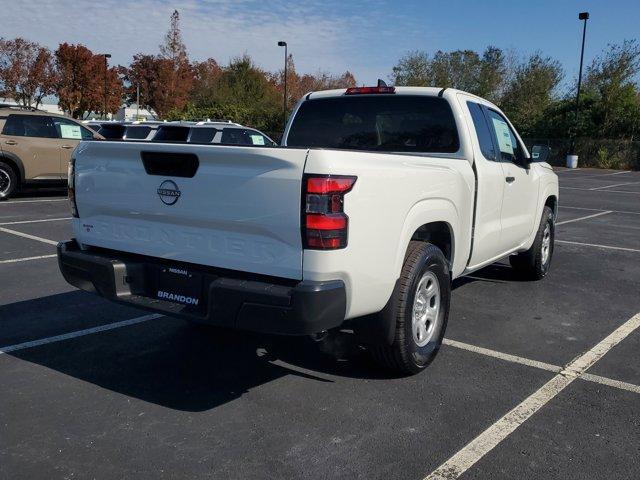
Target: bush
column 599, row 153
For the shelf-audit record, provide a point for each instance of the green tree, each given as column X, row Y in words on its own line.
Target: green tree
column 462, row 69
column 611, row 82
column 531, row 93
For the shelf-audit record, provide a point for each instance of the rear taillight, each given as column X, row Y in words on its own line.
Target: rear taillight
column 325, row 225
column 71, row 180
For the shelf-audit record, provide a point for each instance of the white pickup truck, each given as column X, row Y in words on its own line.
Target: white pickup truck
column 376, row 200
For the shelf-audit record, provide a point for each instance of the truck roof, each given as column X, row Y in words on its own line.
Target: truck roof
column 426, row 91
column 430, row 91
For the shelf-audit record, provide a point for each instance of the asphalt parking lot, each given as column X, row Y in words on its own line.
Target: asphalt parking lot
column 536, row 379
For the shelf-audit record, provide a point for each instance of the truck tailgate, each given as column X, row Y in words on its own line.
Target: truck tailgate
column 239, row 211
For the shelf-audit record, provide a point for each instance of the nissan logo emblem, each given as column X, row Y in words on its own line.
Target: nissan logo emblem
column 169, row 192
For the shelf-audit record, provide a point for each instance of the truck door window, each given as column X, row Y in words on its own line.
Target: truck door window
column 506, row 140
column 388, row 123
column 482, row 131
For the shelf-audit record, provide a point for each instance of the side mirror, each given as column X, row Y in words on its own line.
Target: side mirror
column 540, row 153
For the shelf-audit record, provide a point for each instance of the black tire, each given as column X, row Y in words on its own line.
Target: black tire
column 534, row 264
column 8, row 181
column 405, row 356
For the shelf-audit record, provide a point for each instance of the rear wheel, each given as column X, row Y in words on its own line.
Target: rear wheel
column 8, row 181
column 535, row 262
column 420, row 305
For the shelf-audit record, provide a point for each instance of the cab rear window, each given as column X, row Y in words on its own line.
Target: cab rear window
column 391, row 123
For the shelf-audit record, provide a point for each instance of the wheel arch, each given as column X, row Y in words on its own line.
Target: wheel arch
column 552, row 202
column 435, row 221
column 440, row 234
column 15, row 163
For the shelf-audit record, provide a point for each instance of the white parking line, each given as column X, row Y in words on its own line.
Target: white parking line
column 34, row 201
column 614, row 173
column 21, row 222
column 596, row 175
column 608, row 247
column 78, row 333
column 26, row 259
column 502, row 356
column 615, row 185
column 540, row 365
column 26, row 235
column 584, row 218
column 610, row 382
column 599, row 210
column 607, row 191
column 503, row 427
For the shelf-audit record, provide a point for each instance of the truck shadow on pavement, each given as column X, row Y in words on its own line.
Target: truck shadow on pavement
column 184, row 366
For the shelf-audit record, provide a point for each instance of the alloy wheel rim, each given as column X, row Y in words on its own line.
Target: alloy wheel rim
column 546, row 244
column 426, row 309
column 5, row 182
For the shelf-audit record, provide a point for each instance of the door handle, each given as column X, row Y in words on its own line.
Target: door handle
column 67, row 147
column 510, row 179
column 11, row 142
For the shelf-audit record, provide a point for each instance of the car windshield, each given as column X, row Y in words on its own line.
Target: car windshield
column 395, row 123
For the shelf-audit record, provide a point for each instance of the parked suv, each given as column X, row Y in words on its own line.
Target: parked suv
column 35, row 147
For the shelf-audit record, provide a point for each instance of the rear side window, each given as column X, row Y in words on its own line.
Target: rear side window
column 235, row 136
column 202, row 135
column 391, row 123
column 171, row 134
column 111, row 132
column 30, row 126
column 137, row 133
column 482, row 131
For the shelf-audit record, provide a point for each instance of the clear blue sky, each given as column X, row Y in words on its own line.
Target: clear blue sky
column 365, row 37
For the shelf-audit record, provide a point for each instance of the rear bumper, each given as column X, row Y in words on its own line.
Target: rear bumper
column 230, row 299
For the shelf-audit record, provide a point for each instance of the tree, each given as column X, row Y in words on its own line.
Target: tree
column 299, row 85
column 462, row 69
column 413, row 70
column 27, row 71
column 492, row 74
column 175, row 74
column 78, row 75
column 165, row 80
column 532, row 92
column 81, row 81
column 611, row 82
column 207, row 74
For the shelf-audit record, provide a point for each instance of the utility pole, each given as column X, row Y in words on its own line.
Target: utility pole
column 284, row 102
column 572, row 159
column 106, row 66
column 138, row 102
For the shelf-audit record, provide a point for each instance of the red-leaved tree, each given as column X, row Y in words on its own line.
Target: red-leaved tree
column 27, row 71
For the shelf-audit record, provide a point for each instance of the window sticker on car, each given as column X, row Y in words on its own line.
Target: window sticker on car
column 504, row 136
column 71, row 131
column 257, row 139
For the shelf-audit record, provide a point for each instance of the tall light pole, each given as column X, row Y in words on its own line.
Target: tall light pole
column 106, row 66
column 284, row 101
column 584, row 16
